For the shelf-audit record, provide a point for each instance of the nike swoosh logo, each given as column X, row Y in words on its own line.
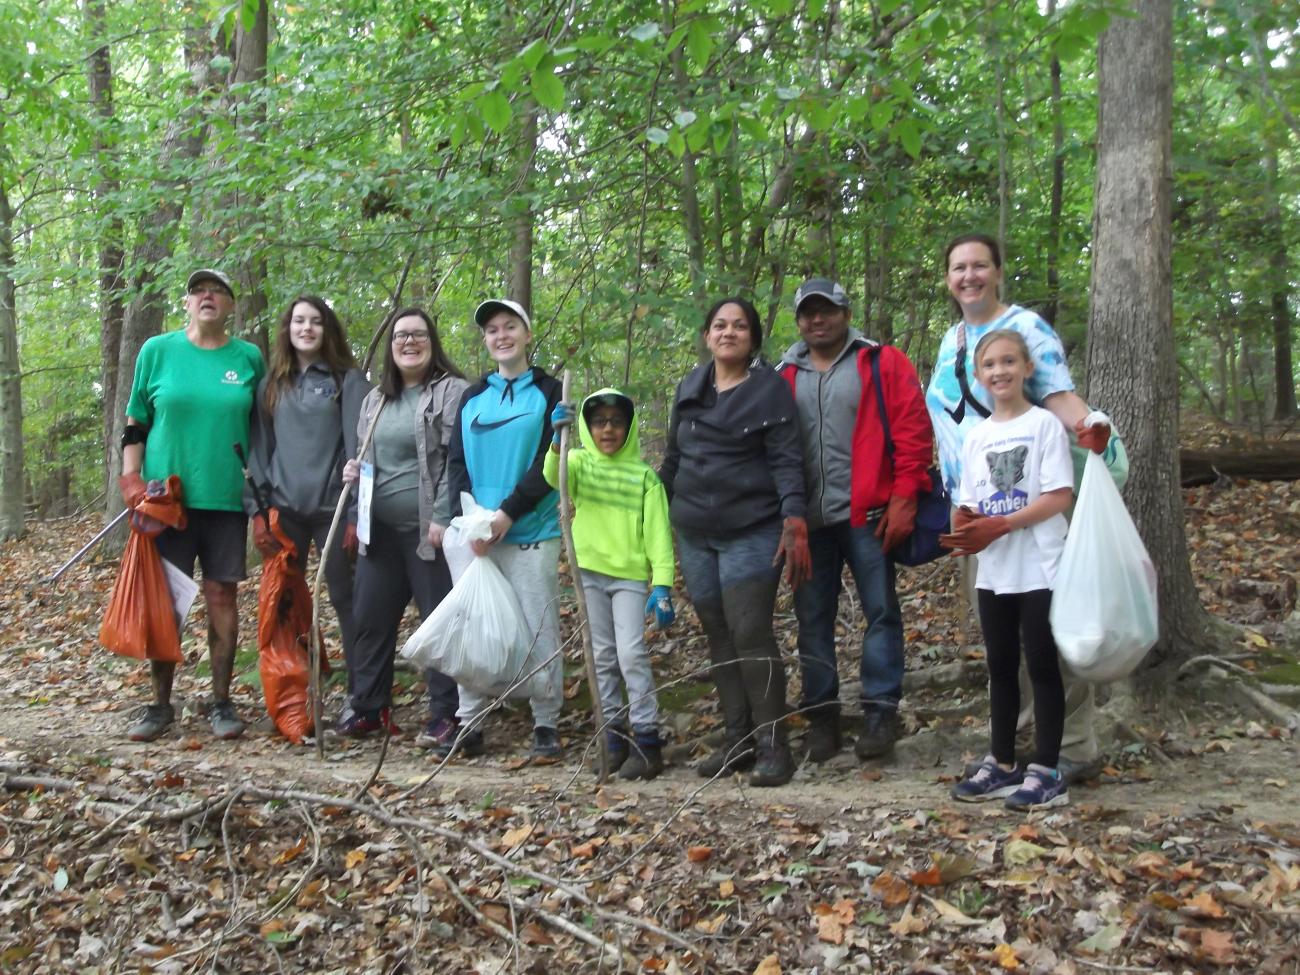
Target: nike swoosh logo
column 478, row 426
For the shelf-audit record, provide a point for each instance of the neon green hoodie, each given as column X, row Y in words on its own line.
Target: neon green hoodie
column 620, row 520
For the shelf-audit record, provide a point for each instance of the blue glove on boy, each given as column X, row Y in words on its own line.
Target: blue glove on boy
column 660, row 603
column 561, row 417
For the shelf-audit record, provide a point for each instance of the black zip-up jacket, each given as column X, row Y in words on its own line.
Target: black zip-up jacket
column 733, row 460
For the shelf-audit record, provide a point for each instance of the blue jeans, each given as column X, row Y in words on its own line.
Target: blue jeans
column 816, row 604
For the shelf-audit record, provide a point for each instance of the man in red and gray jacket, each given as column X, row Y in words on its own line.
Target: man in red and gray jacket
column 860, row 506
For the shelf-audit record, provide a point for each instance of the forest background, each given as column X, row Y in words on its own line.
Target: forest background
column 615, row 167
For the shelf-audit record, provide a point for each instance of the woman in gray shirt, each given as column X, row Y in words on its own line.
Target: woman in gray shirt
column 414, row 410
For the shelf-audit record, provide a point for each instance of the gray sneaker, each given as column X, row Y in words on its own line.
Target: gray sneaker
column 225, row 723
column 151, row 721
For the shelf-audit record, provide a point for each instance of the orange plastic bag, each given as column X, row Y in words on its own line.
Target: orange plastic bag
column 283, row 625
column 140, row 620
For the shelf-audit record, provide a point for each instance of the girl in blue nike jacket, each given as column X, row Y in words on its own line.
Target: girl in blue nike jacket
column 497, row 450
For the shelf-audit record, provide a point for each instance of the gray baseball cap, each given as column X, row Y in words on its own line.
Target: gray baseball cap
column 209, row 274
column 823, row 287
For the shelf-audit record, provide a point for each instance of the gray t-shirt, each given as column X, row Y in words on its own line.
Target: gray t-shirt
column 397, row 478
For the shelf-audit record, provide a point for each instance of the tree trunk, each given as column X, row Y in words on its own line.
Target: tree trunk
column 1284, row 400
column 11, row 382
column 690, row 194
column 248, row 114
column 182, row 143
column 99, row 71
column 521, row 245
column 1132, row 369
column 1058, row 189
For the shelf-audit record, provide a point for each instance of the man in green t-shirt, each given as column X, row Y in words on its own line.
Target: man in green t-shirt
column 191, row 399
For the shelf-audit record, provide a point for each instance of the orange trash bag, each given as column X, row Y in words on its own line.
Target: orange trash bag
column 141, row 620
column 283, row 625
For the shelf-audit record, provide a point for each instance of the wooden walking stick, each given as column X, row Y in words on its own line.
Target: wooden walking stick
column 314, row 647
column 588, row 655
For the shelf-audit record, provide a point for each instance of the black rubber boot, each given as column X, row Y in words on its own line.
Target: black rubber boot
column 646, row 758
column 735, row 754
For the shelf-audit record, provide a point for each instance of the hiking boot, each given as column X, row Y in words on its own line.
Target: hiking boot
column 151, row 720
column 438, row 731
column 823, row 740
column 646, row 759
column 1043, row 788
column 774, row 765
column 989, row 781
column 546, row 743
column 225, row 722
column 735, row 754
column 616, row 745
column 464, row 744
column 881, row 727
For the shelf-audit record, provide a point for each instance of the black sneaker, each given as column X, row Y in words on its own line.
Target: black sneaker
column 225, row 722
column 546, row 743
column 151, row 720
column 881, row 727
column 616, row 745
column 466, row 744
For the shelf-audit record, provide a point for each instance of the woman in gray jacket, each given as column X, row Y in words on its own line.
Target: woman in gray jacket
column 415, row 405
column 304, row 427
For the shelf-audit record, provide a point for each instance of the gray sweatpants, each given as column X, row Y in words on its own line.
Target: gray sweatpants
column 616, row 609
column 532, row 571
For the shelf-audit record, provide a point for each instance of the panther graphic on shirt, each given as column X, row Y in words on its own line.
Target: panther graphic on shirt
column 1006, row 470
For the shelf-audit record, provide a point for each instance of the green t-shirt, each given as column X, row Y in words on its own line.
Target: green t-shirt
column 196, row 404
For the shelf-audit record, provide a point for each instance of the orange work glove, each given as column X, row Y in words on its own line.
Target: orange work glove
column 977, row 535
column 263, row 540
column 1093, row 431
column 897, row 522
column 963, row 516
column 794, row 549
column 133, row 489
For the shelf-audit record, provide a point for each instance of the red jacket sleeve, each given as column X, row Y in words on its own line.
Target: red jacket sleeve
column 909, row 423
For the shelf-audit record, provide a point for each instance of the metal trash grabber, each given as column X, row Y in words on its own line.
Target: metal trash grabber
column 87, row 547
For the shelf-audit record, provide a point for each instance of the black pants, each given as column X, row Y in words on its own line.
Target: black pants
column 338, row 570
column 387, row 576
column 1009, row 622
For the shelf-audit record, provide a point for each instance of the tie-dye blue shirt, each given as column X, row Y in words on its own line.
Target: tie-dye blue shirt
column 1050, row 375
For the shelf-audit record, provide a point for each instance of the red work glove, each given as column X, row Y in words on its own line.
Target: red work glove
column 977, row 535
column 794, row 549
column 263, row 540
column 350, row 540
column 963, row 516
column 133, row 489
column 897, row 522
column 1093, row 431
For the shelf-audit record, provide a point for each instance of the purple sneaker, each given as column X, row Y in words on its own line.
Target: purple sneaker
column 989, row 781
column 438, row 732
column 1043, row 788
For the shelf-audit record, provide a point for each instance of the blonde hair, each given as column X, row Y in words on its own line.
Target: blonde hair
column 1011, row 335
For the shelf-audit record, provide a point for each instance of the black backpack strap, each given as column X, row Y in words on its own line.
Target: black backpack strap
column 880, row 402
column 967, row 396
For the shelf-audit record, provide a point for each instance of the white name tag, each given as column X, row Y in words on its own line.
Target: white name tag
column 365, row 496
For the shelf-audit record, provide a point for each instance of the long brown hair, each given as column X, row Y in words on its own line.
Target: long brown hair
column 335, row 352
column 390, row 378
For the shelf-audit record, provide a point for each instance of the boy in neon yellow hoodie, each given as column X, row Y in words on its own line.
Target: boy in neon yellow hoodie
column 622, row 539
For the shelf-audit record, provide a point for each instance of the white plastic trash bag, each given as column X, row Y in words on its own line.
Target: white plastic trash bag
column 1104, row 610
column 477, row 635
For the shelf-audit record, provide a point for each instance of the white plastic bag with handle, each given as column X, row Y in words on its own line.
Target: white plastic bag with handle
column 1104, row 611
column 477, row 635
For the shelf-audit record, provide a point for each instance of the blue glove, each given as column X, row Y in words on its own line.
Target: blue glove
column 561, row 417
column 661, row 604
